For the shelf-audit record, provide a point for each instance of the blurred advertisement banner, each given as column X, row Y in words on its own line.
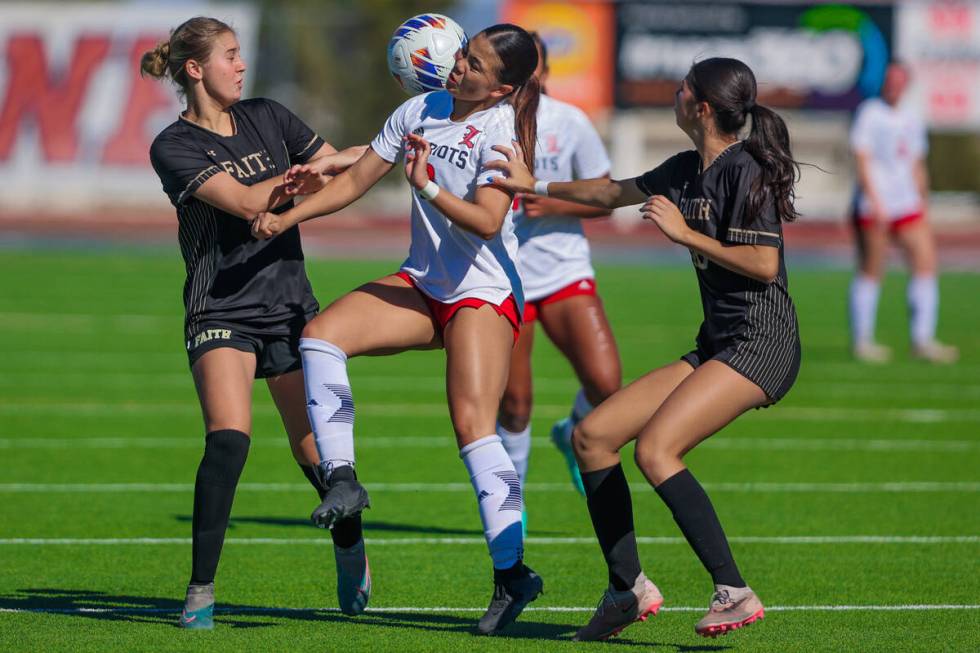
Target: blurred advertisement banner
column 76, row 118
column 941, row 43
column 579, row 36
column 805, row 56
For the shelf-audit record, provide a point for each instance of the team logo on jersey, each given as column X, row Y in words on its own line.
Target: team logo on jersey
column 212, row 153
column 471, row 133
column 419, row 131
column 551, row 143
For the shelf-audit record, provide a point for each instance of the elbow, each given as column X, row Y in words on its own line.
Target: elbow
column 489, row 229
column 488, row 234
column 768, row 274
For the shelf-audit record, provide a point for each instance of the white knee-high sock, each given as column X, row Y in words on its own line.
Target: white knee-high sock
column 581, row 407
column 518, row 447
column 923, row 299
column 864, row 308
column 328, row 401
column 498, row 491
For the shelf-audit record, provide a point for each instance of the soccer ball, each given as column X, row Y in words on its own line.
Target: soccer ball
column 422, row 52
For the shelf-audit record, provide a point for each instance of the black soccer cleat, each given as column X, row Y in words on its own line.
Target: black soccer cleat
column 344, row 497
column 511, row 594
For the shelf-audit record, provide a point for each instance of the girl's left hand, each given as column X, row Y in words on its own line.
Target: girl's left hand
column 266, row 225
column 417, row 161
column 665, row 214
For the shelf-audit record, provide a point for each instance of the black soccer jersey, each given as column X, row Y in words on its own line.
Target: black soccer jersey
column 714, row 202
column 232, row 278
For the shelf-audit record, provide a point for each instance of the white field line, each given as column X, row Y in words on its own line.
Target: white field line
column 479, row 541
column 748, row 487
column 439, row 442
column 420, row 409
column 897, row 389
column 446, row 609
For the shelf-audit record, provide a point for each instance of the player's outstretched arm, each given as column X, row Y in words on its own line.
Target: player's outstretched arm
column 231, row 196
column 539, row 206
column 341, row 191
column 484, row 216
column 602, row 193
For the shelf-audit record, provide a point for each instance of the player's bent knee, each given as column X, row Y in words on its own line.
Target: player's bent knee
column 653, row 459
column 586, row 442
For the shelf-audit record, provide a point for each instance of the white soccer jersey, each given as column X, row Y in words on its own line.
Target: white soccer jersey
column 895, row 139
column 553, row 250
column 447, row 262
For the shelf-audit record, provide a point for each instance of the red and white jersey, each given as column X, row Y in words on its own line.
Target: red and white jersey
column 447, row 262
column 553, row 249
column 894, row 139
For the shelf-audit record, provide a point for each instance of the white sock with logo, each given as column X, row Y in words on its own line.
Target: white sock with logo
column 923, row 299
column 864, row 308
column 328, row 401
column 518, row 447
column 498, row 492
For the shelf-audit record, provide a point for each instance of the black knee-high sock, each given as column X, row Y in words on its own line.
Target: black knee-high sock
column 217, row 476
column 696, row 516
column 611, row 508
column 345, row 533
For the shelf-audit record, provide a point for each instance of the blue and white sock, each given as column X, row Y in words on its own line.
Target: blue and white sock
column 498, row 492
column 581, row 407
column 923, row 299
column 518, row 447
column 329, row 402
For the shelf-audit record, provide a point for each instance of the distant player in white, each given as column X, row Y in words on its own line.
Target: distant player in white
column 889, row 144
column 559, row 282
column 459, row 289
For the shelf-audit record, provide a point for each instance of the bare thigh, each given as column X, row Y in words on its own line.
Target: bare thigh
column 619, row 419
column 289, row 394
column 515, row 407
column 872, row 242
column 919, row 247
column 224, row 378
column 382, row 317
column 478, row 348
column 579, row 328
column 701, row 405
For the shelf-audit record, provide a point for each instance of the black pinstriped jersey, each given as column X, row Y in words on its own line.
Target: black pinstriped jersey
column 232, row 278
column 714, row 202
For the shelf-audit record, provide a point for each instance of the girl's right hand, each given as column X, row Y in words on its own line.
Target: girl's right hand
column 519, row 179
column 268, row 224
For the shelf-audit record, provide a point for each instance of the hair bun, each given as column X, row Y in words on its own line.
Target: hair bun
column 154, row 62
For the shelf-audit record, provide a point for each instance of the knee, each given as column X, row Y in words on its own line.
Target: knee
column 652, row 458
column 586, row 442
column 515, row 411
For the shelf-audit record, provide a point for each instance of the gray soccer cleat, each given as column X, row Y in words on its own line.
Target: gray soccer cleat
column 619, row 609
column 934, row 351
column 871, row 352
column 510, row 597
column 731, row 609
column 344, row 497
column 353, row 578
column 198, row 612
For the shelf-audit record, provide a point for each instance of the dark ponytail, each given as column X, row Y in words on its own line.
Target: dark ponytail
column 729, row 87
column 768, row 143
column 519, row 58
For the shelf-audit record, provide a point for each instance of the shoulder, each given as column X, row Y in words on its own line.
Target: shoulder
column 260, row 107
column 175, row 136
column 434, row 104
column 738, row 167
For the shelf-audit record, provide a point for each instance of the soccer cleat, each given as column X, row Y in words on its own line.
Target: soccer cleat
column 619, row 609
column 933, row 351
column 731, row 608
column 871, row 352
column 353, row 578
column 344, row 497
column 198, row 612
column 510, row 597
column 524, row 523
column 561, row 436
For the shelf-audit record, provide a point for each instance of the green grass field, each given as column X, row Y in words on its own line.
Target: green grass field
column 853, row 506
